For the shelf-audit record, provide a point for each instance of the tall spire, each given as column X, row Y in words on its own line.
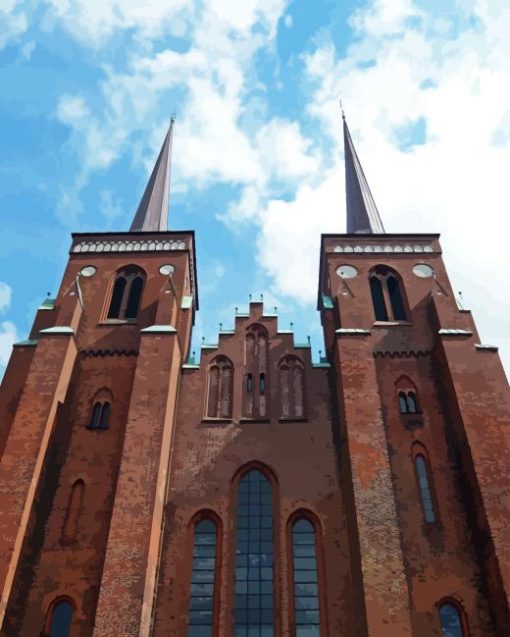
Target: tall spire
column 362, row 213
column 152, row 213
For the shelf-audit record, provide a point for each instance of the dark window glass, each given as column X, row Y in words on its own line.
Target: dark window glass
column 118, row 293
column 397, row 304
column 96, row 416
column 249, row 382
column 105, row 415
column 451, row 625
column 424, row 486
column 61, row 620
column 402, row 399
column 262, row 385
column 201, row 605
column 254, row 557
column 412, row 405
column 306, row 592
column 134, row 298
column 378, row 299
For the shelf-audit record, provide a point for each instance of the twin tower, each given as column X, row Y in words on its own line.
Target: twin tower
column 256, row 494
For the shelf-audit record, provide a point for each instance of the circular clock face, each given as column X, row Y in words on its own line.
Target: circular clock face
column 88, row 270
column 347, row 271
column 423, row 271
column 167, row 269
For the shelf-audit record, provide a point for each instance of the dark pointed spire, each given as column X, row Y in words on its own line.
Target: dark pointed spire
column 152, row 213
column 362, row 213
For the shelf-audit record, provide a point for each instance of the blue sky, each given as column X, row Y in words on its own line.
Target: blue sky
column 88, row 87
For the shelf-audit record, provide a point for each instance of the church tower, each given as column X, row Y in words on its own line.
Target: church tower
column 254, row 492
column 421, row 402
column 88, row 406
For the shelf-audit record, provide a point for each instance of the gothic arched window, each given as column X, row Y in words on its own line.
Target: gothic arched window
column 452, row 620
column 59, row 623
column 291, row 374
column 100, row 415
column 408, row 402
column 203, row 579
column 256, row 387
column 424, row 487
column 126, row 293
column 305, row 579
column 254, row 575
column 387, row 295
column 220, row 388
column 73, row 512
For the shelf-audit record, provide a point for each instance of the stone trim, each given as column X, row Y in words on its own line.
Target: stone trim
column 352, row 331
column 58, row 329
column 370, row 248
column 487, row 348
column 454, row 332
column 159, row 329
column 28, row 343
column 128, row 246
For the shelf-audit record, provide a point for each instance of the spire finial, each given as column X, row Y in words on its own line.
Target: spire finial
column 362, row 214
column 152, row 213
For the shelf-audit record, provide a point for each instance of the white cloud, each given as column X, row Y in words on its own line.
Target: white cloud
column 92, row 22
column 5, row 297
column 455, row 183
column 14, row 22
column 8, row 336
column 109, row 206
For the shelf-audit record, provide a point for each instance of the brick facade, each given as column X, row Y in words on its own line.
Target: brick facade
column 329, row 438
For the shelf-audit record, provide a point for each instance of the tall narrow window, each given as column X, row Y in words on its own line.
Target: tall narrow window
column 254, row 557
column 221, row 376
column 126, row 294
column 387, row 295
column 378, row 299
column 201, row 606
column 133, row 300
column 73, row 513
column 100, row 415
column 412, row 405
column 292, row 387
column 95, row 418
column 117, row 295
column 61, row 617
column 256, row 372
column 451, row 621
column 397, row 304
column 424, row 488
column 402, row 401
column 306, row 585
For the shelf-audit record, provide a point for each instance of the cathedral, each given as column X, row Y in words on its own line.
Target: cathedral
column 255, row 493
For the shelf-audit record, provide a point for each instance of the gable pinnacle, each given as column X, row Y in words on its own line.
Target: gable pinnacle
column 362, row 213
column 152, row 213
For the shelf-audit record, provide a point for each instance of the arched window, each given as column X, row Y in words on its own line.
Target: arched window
column 221, row 377
column 203, row 576
column 452, row 624
column 407, row 402
column 256, row 386
column 424, row 488
column 73, row 512
column 59, row 624
column 387, row 295
column 100, row 416
column 305, row 579
column 254, row 557
column 126, row 294
column 291, row 374
column 407, row 396
column 412, row 405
